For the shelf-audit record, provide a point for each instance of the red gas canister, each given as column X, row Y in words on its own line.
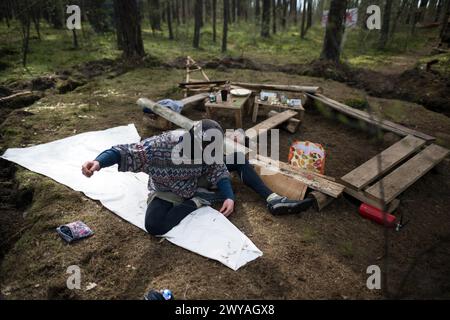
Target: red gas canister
column 378, row 216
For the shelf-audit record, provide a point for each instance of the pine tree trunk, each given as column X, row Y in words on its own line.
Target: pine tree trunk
column 310, row 14
column 233, row 11
column 265, row 23
column 36, row 16
column 169, row 17
column 400, row 10
column 293, row 11
column 226, row 13
column 198, row 22
column 130, row 28
column 174, row 12
column 384, row 35
column 155, row 15
column 303, row 29
column 274, row 17
column 117, row 24
column 362, row 13
column 334, row 31
column 431, row 11
column 438, row 10
column 414, row 16
column 284, row 14
column 422, row 8
column 214, row 19
column 444, row 33
column 75, row 38
column 257, row 10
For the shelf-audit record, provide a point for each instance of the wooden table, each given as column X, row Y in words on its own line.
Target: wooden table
column 233, row 103
column 276, row 106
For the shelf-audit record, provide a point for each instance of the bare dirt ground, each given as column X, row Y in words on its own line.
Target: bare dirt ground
column 309, row 256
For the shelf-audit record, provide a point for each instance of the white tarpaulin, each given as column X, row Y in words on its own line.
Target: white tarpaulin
column 205, row 231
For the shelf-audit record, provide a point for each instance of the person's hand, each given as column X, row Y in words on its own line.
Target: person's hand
column 227, row 208
column 90, row 167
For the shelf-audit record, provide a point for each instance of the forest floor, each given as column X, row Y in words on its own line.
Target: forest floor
column 314, row 255
column 309, row 256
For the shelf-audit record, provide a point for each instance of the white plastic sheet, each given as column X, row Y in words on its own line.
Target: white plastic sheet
column 205, row 231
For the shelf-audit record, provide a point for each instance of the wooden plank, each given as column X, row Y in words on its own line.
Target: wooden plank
column 287, row 167
column 183, row 85
column 372, row 119
column 291, row 125
column 194, row 100
column 276, row 87
column 313, row 181
column 359, row 195
column 404, row 176
column 383, row 162
column 282, row 183
column 322, row 200
column 270, row 123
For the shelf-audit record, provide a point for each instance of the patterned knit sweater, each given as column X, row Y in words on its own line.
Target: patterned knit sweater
column 154, row 157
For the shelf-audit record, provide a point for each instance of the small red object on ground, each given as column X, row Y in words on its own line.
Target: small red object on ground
column 378, row 216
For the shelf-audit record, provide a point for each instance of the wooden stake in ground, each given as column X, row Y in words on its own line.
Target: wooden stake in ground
column 191, row 63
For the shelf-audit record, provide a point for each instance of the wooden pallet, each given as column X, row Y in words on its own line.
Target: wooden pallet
column 404, row 176
column 383, row 178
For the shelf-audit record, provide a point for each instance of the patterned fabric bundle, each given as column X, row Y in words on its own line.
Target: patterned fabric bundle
column 74, row 231
column 154, row 157
column 307, row 155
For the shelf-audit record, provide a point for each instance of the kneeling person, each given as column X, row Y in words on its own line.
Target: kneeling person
column 176, row 190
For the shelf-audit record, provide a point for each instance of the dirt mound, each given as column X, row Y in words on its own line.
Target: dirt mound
column 95, row 68
column 427, row 88
column 222, row 64
column 4, row 91
column 419, row 85
column 13, row 203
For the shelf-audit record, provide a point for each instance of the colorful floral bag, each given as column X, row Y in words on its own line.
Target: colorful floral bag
column 307, row 155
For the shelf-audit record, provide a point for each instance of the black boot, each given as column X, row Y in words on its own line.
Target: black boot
column 281, row 206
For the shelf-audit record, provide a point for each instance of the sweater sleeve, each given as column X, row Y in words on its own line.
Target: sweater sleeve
column 225, row 188
column 108, row 158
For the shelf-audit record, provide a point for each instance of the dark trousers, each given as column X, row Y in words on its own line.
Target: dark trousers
column 162, row 216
